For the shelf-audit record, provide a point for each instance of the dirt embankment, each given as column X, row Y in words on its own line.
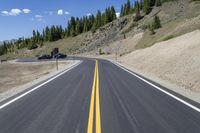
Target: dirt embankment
column 15, row 77
column 176, row 61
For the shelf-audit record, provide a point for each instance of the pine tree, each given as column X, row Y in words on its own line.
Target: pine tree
column 103, row 19
column 152, row 2
column 137, row 11
column 156, row 24
column 78, row 26
column 132, row 9
column 34, row 37
column 47, row 34
column 122, row 11
column 141, row 4
column 37, row 36
column 98, row 19
column 125, row 8
column 93, row 19
column 158, row 3
column 146, row 6
column 113, row 13
column 5, row 50
column 72, row 27
column 128, row 7
column 106, row 16
column 52, row 31
column 86, row 23
column 81, row 25
column 68, row 29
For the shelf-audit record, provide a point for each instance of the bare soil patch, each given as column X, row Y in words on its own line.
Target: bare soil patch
column 15, row 74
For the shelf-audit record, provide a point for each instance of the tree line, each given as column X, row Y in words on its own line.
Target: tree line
column 139, row 5
column 77, row 25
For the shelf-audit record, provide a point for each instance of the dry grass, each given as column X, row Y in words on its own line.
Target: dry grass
column 16, row 74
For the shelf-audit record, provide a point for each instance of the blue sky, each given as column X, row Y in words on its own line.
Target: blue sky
column 19, row 17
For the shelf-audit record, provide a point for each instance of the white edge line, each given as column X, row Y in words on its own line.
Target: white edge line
column 35, row 88
column 158, row 88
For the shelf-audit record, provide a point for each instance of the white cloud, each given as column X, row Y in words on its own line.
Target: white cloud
column 26, row 11
column 5, row 13
column 60, row 12
column 89, row 14
column 15, row 12
column 67, row 13
column 38, row 18
column 118, row 14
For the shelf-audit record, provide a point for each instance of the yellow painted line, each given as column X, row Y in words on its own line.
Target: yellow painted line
column 95, row 96
column 91, row 113
column 98, row 115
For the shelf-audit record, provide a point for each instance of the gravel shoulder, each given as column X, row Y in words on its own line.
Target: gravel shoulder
column 15, row 77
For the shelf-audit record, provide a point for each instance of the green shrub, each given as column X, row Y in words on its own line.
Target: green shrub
column 32, row 46
column 158, row 3
column 151, row 29
column 156, row 24
column 168, row 37
column 100, row 52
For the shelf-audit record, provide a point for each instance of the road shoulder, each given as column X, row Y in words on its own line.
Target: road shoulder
column 21, row 88
column 192, row 95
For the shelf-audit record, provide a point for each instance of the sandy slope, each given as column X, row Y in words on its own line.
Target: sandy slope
column 15, row 77
column 176, row 61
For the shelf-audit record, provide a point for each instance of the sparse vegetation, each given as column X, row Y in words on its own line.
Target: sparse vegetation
column 101, row 52
column 156, row 24
column 151, row 29
column 168, row 37
column 32, row 46
column 158, row 3
column 132, row 25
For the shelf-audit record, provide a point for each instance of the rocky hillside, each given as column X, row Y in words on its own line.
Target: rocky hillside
column 177, row 18
column 104, row 35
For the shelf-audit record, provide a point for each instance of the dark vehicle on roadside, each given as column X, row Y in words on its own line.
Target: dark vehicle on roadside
column 43, row 57
column 60, row 56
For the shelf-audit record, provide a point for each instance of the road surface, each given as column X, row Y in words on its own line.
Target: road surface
column 99, row 97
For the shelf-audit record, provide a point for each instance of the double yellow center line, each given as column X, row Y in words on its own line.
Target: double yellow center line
column 95, row 102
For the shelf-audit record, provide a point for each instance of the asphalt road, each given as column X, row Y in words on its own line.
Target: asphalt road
column 98, row 97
